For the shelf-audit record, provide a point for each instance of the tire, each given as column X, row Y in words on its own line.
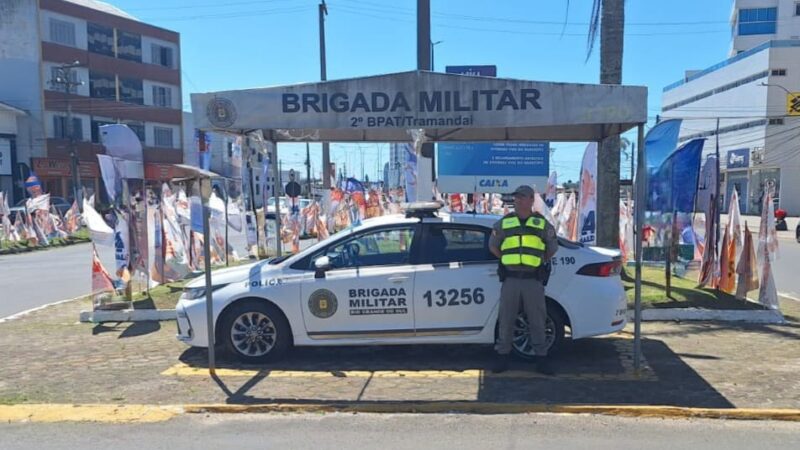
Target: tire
column 255, row 332
column 554, row 330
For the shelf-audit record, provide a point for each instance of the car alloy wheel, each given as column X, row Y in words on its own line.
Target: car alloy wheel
column 253, row 334
column 554, row 335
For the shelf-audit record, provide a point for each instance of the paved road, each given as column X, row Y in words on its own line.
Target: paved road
column 786, row 273
column 462, row 432
column 33, row 279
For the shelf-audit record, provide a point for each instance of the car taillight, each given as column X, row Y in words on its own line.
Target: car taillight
column 606, row 269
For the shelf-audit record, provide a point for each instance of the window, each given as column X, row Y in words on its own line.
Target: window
column 62, row 32
column 163, row 137
column 57, row 73
column 96, row 124
column 161, row 55
column 138, row 129
column 453, row 244
column 100, row 39
column 162, row 96
column 129, row 46
column 797, row 9
column 757, row 21
column 60, row 130
column 260, row 157
column 374, row 248
column 102, row 86
column 131, row 91
column 776, row 121
column 779, row 72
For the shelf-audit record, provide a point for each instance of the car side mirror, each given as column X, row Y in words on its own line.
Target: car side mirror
column 322, row 264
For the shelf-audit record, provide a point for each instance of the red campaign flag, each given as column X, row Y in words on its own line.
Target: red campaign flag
column 101, row 280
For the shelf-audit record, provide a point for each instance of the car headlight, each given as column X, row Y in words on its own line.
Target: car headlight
column 195, row 293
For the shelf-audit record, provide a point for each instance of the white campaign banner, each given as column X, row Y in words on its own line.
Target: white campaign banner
column 587, row 200
column 100, row 232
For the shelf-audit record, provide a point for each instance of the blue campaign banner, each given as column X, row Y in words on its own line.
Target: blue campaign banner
column 673, row 186
column 528, row 159
column 476, row 71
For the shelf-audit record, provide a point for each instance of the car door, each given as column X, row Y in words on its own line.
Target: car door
column 367, row 292
column 456, row 285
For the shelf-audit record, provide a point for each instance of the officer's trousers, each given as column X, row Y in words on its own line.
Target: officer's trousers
column 530, row 292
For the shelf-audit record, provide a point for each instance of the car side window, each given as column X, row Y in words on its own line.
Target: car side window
column 458, row 244
column 377, row 248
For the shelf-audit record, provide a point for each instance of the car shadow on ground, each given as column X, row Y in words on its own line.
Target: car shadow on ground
column 127, row 330
column 589, row 371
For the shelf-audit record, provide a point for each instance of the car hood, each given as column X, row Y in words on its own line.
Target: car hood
column 236, row 274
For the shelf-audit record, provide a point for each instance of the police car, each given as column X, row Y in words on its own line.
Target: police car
column 425, row 277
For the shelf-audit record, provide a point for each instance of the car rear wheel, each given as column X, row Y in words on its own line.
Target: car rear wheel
column 255, row 332
column 554, row 335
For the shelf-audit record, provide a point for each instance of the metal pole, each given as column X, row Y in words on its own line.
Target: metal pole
column 308, row 168
column 276, row 174
column 323, row 75
column 641, row 183
column 718, row 206
column 225, row 192
column 205, row 193
column 253, row 209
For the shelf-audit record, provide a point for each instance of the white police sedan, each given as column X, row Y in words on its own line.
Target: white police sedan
column 422, row 278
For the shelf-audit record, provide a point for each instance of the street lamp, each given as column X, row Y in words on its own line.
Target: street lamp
column 66, row 81
column 793, row 108
column 433, row 45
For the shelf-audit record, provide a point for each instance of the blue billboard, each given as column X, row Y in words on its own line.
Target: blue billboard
column 739, row 158
column 491, row 166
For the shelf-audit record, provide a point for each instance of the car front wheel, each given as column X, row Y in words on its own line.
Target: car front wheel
column 255, row 332
column 554, row 335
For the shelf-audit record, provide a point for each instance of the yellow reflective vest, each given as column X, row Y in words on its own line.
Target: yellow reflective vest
column 523, row 246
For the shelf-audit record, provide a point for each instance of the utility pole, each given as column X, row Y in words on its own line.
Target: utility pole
column 65, row 80
column 426, row 161
column 323, row 75
column 308, row 168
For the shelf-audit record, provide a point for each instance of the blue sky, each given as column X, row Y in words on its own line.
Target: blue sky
column 251, row 43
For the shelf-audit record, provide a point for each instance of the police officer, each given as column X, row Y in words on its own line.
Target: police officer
column 524, row 242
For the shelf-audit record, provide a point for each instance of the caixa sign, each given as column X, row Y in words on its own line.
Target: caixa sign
column 493, row 183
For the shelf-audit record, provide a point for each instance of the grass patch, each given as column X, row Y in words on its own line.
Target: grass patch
column 685, row 293
column 24, row 246
column 13, row 399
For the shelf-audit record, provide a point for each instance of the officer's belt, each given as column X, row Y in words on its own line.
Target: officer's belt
column 520, row 274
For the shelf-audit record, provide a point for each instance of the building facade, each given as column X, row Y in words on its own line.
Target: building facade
column 749, row 106
column 121, row 70
column 754, row 22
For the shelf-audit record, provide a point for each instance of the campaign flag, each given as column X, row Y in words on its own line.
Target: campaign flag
column 735, row 219
column 121, row 142
column 122, row 246
column 99, row 231
column 708, row 265
column 540, row 206
column 587, row 206
column 101, row 280
column 455, row 203
column 410, row 172
column 72, row 218
column 33, row 185
column 111, row 176
column 767, row 251
column 747, row 267
column 727, row 263
column 672, row 187
column 565, row 215
column 40, row 203
column 550, row 194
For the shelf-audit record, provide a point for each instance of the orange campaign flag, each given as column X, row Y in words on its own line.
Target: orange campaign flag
column 727, row 264
column 747, row 268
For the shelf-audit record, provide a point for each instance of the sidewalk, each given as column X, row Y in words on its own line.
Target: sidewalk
column 49, row 358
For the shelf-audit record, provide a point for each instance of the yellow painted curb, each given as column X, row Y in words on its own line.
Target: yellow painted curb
column 666, row 412
column 160, row 413
column 88, row 413
column 475, row 374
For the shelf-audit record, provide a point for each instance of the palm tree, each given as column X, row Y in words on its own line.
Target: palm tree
column 608, row 16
